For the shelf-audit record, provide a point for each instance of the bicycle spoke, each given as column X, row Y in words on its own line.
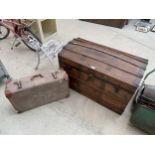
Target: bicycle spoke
column 3, row 32
column 30, row 40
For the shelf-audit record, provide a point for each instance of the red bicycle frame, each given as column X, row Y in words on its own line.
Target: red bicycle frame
column 21, row 28
column 14, row 26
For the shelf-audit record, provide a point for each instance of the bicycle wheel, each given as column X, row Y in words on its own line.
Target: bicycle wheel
column 4, row 32
column 30, row 40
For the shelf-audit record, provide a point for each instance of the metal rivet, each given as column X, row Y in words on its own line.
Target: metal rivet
column 93, row 67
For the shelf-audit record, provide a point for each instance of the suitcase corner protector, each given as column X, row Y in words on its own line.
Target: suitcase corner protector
column 8, row 93
column 65, row 77
column 8, row 81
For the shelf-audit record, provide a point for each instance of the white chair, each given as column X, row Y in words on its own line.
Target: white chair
column 50, row 50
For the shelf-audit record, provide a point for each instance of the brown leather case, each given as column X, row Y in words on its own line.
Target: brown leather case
column 30, row 92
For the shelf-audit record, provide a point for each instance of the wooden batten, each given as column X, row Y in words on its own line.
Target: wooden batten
column 106, row 75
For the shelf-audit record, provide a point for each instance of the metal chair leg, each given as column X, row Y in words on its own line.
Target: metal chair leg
column 38, row 62
column 13, row 43
column 4, row 74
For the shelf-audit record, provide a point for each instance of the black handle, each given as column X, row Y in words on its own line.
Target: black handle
column 147, row 75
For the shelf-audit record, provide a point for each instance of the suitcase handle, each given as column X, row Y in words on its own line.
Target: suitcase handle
column 19, row 84
column 35, row 76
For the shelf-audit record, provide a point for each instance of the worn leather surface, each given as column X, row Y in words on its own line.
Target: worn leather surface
column 37, row 90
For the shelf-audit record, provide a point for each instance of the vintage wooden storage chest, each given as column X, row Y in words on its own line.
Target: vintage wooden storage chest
column 106, row 75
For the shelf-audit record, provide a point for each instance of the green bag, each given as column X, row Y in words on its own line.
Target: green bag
column 143, row 115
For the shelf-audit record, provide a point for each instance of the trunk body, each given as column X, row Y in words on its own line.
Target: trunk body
column 106, row 75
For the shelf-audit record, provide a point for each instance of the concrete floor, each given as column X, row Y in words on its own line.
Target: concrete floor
column 76, row 114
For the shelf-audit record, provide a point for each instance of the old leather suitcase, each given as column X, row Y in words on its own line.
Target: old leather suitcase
column 37, row 90
column 106, row 75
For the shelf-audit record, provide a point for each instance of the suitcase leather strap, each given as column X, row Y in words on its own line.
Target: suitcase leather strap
column 18, row 84
column 54, row 75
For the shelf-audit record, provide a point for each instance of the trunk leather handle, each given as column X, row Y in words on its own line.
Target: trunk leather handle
column 35, row 76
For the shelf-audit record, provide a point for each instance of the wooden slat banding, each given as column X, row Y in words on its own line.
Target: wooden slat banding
column 94, row 82
column 97, row 96
column 114, row 74
column 106, row 59
column 145, row 61
column 115, row 53
column 108, row 76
